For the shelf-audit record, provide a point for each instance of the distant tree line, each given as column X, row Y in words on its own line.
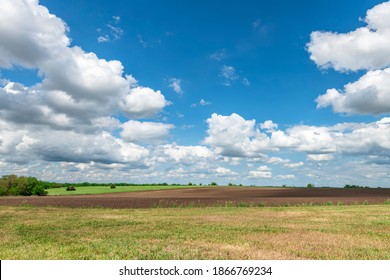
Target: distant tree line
column 14, row 185
column 355, row 187
column 52, row 185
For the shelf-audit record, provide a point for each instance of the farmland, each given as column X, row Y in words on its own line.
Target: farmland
column 117, row 189
column 208, row 196
column 199, row 223
column 304, row 232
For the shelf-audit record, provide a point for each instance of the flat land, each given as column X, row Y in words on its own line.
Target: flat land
column 213, row 196
column 118, row 189
column 304, row 232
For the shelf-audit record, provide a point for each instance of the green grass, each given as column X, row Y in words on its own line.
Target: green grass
column 304, row 232
column 107, row 189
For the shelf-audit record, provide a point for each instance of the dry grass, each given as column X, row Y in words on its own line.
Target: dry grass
column 306, row 232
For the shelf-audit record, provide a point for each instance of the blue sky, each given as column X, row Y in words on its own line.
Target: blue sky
column 252, row 92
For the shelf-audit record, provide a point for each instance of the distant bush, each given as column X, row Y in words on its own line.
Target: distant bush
column 213, row 184
column 70, row 188
column 310, row 185
column 112, row 186
column 39, row 190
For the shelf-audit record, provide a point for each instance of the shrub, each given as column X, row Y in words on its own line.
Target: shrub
column 112, row 186
column 310, row 185
column 70, row 188
column 39, row 190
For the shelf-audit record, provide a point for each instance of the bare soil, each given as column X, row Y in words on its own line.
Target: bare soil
column 208, row 197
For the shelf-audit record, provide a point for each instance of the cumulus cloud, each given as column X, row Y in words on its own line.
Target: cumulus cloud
column 68, row 116
column 285, row 162
column 183, row 154
column 145, row 132
column 365, row 48
column 369, row 95
column 295, row 164
column 261, row 172
column 77, row 85
column 143, row 102
column 233, row 136
column 278, row 160
column 284, row 177
column 30, row 34
column 320, row 157
column 67, row 146
column 222, row 172
column 269, row 126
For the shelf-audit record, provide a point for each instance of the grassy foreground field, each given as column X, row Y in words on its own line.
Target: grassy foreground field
column 118, row 189
column 305, row 232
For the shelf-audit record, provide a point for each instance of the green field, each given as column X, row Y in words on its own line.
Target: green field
column 107, row 189
column 304, row 232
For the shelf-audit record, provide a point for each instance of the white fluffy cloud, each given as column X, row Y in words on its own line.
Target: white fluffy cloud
column 295, row 164
column 268, row 125
column 75, row 82
column 222, row 171
column 145, row 132
column 369, row 95
column 234, row 136
column 261, row 172
column 29, row 34
column 320, row 157
column 183, row 154
column 365, row 48
column 68, row 116
column 24, row 145
column 143, row 102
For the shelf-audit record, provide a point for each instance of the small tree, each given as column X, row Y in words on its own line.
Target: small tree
column 213, row 184
column 39, row 190
column 310, row 185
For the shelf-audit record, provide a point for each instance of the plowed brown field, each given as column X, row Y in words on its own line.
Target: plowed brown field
column 208, row 197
